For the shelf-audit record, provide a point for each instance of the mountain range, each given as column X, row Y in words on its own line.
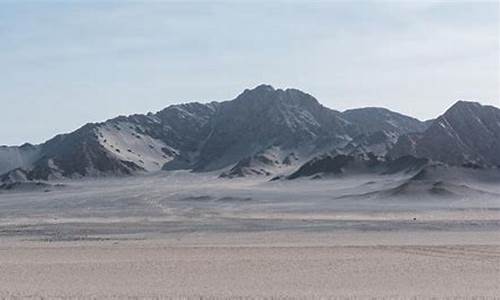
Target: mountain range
column 263, row 131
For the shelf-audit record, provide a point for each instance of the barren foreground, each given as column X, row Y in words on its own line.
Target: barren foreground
column 191, row 236
column 264, row 265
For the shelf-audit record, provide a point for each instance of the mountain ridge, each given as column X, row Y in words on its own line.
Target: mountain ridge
column 215, row 135
column 467, row 132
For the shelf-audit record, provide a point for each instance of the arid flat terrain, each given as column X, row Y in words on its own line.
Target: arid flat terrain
column 194, row 236
column 264, row 265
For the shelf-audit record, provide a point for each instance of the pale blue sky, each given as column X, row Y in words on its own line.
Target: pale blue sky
column 65, row 63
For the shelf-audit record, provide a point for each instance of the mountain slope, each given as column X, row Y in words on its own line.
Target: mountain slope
column 120, row 146
column 467, row 133
column 373, row 119
column 266, row 117
column 237, row 133
column 380, row 130
column 16, row 157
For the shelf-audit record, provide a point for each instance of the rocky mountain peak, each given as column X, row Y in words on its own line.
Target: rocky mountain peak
column 266, row 96
column 216, row 135
column 466, row 133
column 463, row 110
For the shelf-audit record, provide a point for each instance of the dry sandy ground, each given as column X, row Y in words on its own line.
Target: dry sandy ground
column 257, row 265
column 195, row 236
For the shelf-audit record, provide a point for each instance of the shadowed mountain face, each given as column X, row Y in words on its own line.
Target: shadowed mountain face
column 259, row 122
column 264, row 117
column 466, row 134
column 340, row 165
column 323, row 165
column 373, row 119
column 380, row 129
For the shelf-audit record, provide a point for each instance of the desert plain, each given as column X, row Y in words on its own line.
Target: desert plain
column 191, row 236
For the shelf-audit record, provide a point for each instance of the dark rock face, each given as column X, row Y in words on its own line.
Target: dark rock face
column 323, row 164
column 380, row 129
column 406, row 145
column 370, row 163
column 264, row 117
column 289, row 119
column 467, row 133
column 373, row 119
column 184, row 126
column 205, row 137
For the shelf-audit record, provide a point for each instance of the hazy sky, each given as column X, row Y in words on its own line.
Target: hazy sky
column 65, row 63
